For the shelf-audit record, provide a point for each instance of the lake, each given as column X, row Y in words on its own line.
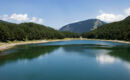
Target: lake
column 67, row 60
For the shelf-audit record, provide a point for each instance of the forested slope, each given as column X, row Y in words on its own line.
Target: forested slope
column 29, row 31
column 115, row 31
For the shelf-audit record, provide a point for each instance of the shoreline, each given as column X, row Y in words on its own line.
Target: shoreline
column 6, row 46
column 119, row 41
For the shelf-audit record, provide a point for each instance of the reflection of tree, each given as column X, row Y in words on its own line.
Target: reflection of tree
column 122, row 52
column 73, row 48
column 91, row 50
column 82, row 47
column 26, row 52
column 30, row 52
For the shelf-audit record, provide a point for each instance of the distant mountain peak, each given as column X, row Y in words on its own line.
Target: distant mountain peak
column 3, row 21
column 83, row 26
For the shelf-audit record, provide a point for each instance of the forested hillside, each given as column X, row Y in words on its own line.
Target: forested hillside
column 29, row 31
column 68, row 34
column 115, row 31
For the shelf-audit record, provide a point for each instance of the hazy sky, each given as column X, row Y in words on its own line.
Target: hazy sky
column 57, row 13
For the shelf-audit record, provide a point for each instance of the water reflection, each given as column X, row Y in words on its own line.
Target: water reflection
column 25, row 53
column 68, row 61
column 86, row 50
column 127, row 65
column 104, row 54
column 105, row 59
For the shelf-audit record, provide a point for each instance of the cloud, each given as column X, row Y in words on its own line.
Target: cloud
column 127, row 11
column 110, row 17
column 18, row 18
column 105, row 59
column 4, row 17
column 40, row 20
column 127, row 65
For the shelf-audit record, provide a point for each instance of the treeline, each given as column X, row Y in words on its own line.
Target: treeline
column 115, row 31
column 29, row 31
column 68, row 34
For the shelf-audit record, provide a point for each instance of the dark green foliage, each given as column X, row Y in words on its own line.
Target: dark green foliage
column 115, row 31
column 26, row 52
column 68, row 34
column 37, row 31
column 28, row 31
column 4, row 34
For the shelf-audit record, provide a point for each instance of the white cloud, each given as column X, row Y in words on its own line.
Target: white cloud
column 102, row 59
column 110, row 17
column 4, row 17
column 127, row 11
column 18, row 18
column 40, row 20
column 127, row 65
column 33, row 19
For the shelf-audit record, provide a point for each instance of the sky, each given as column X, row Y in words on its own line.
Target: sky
column 57, row 13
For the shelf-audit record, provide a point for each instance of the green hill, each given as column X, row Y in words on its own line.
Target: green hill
column 29, row 31
column 115, row 31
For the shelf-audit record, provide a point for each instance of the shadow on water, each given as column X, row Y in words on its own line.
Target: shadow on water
column 24, row 52
column 122, row 52
column 119, row 51
column 30, row 51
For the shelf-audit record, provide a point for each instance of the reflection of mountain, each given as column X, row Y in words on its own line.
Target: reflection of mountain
column 25, row 52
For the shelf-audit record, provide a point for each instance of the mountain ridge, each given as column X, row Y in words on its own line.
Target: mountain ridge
column 83, row 26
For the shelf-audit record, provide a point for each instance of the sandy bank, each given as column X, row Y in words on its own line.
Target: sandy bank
column 5, row 46
column 120, row 41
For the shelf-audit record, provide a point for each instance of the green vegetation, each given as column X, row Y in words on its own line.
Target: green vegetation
column 115, row 31
column 68, row 34
column 30, row 31
column 26, row 52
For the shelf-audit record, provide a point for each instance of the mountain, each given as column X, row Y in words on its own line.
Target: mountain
column 116, row 31
column 3, row 21
column 83, row 26
column 127, row 18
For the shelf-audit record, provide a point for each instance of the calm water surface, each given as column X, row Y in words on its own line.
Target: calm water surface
column 67, row 60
